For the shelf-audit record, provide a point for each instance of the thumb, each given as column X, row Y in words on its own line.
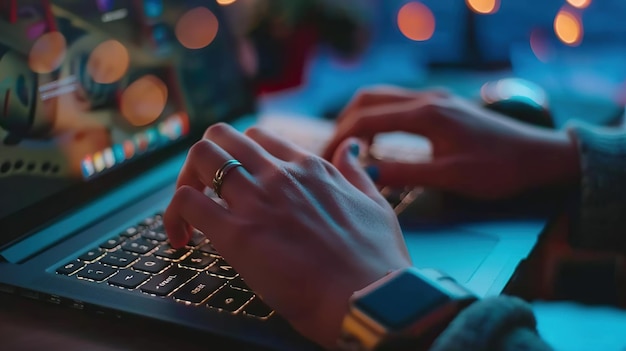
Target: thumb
column 346, row 159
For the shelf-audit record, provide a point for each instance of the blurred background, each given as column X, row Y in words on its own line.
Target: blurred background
column 316, row 53
column 86, row 86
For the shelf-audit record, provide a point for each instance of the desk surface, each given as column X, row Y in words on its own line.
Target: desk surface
column 35, row 325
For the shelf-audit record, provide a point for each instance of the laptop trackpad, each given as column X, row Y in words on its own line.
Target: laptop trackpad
column 454, row 251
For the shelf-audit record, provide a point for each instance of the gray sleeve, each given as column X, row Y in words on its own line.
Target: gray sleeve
column 494, row 324
column 601, row 221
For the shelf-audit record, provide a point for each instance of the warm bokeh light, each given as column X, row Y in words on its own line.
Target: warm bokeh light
column 539, row 45
column 225, row 2
column 568, row 27
column 108, row 62
column 197, row 28
column 144, row 100
column 485, row 7
column 581, row 4
column 416, row 21
column 47, row 53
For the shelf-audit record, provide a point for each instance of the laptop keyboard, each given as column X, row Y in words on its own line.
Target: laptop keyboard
column 141, row 259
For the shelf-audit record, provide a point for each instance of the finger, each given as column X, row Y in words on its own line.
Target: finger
column 346, row 159
column 415, row 116
column 242, row 148
column 191, row 208
column 385, row 94
column 374, row 96
column 279, row 148
column 437, row 174
column 204, row 159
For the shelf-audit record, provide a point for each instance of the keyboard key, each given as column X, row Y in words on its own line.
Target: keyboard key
column 70, row 268
column 129, row 279
column 149, row 222
column 166, row 282
column 130, row 232
column 222, row 269
column 238, row 283
column 91, row 255
column 197, row 238
column 208, row 248
column 150, row 264
column 198, row 260
column 168, row 252
column 112, row 243
column 257, row 308
column 199, row 288
column 96, row 272
column 139, row 246
column 230, row 300
column 118, row 259
column 152, row 235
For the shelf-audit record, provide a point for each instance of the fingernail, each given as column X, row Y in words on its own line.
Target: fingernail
column 354, row 150
column 372, row 172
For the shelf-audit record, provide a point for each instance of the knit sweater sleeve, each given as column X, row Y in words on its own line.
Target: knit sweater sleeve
column 494, row 324
column 601, row 219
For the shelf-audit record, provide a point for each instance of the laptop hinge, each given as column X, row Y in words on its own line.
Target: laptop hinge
column 94, row 211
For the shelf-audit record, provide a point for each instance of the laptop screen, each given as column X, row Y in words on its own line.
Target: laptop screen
column 90, row 90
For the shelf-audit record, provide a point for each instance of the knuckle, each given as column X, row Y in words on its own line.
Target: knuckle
column 363, row 95
column 253, row 132
column 429, row 106
column 181, row 195
column 431, row 111
column 199, row 149
column 216, row 129
column 310, row 162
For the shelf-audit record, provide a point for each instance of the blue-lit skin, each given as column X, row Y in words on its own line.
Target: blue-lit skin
column 320, row 232
column 476, row 152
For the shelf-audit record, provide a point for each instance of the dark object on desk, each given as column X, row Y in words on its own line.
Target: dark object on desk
column 434, row 207
column 591, row 279
column 519, row 99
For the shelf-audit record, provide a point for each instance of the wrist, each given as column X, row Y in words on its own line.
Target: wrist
column 407, row 308
column 554, row 159
column 324, row 323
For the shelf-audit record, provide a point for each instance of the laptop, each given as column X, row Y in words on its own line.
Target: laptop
column 99, row 101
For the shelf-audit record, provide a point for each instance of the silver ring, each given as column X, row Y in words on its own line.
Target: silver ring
column 218, row 180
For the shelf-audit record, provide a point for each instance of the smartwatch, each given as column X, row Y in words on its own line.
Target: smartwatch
column 406, row 309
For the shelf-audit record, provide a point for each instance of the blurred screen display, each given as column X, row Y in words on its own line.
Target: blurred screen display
column 87, row 87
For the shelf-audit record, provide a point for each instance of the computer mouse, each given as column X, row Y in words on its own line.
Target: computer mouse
column 519, row 99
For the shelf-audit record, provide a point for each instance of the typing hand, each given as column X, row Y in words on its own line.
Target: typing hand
column 302, row 233
column 476, row 152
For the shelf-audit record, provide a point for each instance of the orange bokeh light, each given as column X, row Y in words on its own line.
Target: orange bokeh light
column 108, row 62
column 197, row 28
column 47, row 53
column 568, row 27
column 416, row 21
column 144, row 100
column 581, row 4
column 225, row 2
column 484, row 7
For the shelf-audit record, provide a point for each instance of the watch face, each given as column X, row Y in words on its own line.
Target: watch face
column 401, row 301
